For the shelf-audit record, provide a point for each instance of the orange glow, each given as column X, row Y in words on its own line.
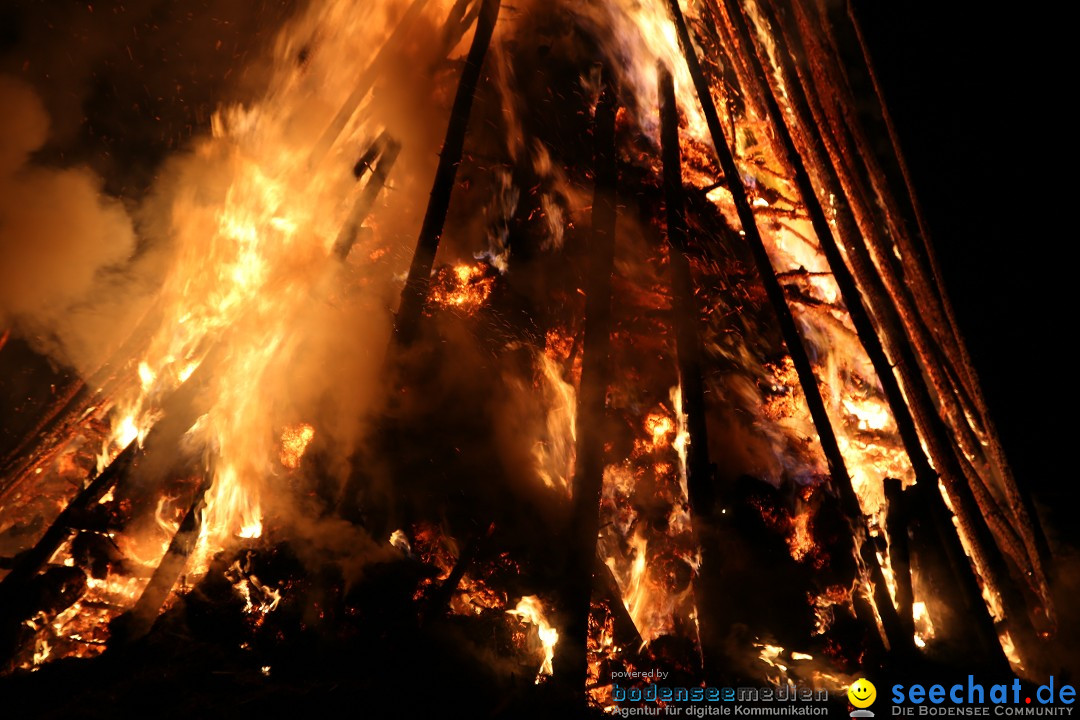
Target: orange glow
column 294, row 441
column 530, row 610
column 463, row 287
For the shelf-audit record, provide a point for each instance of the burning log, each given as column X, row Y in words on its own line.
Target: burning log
column 414, row 294
column 380, row 158
column 686, row 312
column 916, row 409
column 699, row 476
column 1019, row 499
column 138, row 621
column 921, row 296
column 571, row 658
column 179, row 412
column 869, row 566
column 29, row 563
column 916, row 296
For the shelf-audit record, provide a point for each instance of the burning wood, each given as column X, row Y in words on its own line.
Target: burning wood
column 660, row 336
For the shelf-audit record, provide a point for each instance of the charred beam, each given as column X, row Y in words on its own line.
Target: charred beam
column 138, row 621
column 414, row 294
column 916, row 410
column 180, row 412
column 686, row 312
column 1019, row 498
column 699, row 476
column 570, row 660
column 869, row 566
column 380, row 158
column 29, row 563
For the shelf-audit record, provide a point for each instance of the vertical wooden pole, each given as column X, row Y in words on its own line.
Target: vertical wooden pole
column 571, row 659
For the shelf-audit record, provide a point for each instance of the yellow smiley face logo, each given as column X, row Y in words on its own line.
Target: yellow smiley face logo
column 862, row 693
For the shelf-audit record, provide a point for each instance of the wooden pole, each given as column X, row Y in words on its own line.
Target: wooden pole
column 916, row 410
column 571, row 658
column 414, row 295
column 685, row 311
column 386, row 151
column 29, row 563
column 1019, row 499
column 712, row 613
column 869, row 567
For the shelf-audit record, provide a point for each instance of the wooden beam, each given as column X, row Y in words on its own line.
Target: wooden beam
column 571, row 656
column 414, row 295
column 841, row 479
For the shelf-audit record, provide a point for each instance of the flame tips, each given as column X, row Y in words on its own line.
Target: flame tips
column 530, row 610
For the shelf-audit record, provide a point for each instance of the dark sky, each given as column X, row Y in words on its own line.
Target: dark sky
column 978, row 92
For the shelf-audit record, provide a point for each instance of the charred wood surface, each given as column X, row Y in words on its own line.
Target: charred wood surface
column 380, row 158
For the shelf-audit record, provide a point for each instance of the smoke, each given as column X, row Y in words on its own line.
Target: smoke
column 62, row 241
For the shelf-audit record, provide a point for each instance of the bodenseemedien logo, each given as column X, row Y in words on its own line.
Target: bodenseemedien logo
column 862, row 695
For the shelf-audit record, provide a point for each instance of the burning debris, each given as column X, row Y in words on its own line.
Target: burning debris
column 694, row 345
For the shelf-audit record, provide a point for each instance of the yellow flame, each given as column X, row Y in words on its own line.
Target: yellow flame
column 555, row 453
column 530, row 610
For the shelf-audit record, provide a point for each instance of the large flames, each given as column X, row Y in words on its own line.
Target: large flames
column 253, row 223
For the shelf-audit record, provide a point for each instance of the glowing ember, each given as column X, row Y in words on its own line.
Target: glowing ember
column 801, row 541
column 259, row 599
column 660, row 427
column 294, row 441
column 463, row 287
